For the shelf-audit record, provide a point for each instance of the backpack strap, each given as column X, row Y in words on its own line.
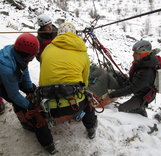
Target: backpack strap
column 150, row 96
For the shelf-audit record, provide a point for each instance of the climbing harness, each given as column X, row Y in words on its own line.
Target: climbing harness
column 69, row 92
column 60, row 90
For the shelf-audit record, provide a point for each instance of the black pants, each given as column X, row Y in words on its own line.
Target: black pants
column 43, row 134
column 134, row 103
column 89, row 119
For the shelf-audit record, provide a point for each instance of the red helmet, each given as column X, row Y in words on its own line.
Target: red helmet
column 27, row 43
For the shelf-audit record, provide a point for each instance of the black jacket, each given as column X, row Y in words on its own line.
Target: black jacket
column 141, row 79
column 45, row 39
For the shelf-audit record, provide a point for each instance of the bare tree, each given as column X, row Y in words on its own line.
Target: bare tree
column 151, row 4
column 62, row 4
column 124, row 26
column 18, row 4
column 77, row 12
column 147, row 26
column 93, row 12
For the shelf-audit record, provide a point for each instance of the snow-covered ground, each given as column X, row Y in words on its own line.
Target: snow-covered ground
column 118, row 134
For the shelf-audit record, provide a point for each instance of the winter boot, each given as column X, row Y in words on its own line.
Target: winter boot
column 2, row 106
column 92, row 131
column 51, row 149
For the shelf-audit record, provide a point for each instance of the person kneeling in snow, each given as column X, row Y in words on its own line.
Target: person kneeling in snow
column 14, row 76
column 141, row 79
column 64, row 73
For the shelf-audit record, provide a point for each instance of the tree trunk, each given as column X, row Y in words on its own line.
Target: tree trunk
column 18, row 5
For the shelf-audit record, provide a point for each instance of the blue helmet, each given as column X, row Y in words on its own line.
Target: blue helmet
column 142, row 46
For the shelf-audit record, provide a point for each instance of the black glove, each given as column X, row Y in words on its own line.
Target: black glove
column 31, row 90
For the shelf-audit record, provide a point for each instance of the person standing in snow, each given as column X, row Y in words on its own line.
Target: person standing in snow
column 141, row 79
column 64, row 73
column 14, row 77
column 46, row 33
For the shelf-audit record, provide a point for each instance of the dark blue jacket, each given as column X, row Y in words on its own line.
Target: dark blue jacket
column 10, row 79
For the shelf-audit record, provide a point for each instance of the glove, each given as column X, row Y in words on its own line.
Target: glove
column 31, row 90
column 40, row 120
column 30, row 95
column 30, row 111
column 34, row 87
column 29, row 114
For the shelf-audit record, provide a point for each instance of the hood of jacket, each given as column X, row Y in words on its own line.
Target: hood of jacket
column 70, row 41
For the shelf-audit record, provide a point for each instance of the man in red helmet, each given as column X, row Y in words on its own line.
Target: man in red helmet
column 14, row 76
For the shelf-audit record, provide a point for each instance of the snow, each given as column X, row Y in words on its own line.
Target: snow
column 118, row 133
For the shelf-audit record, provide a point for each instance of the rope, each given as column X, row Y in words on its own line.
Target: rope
column 100, row 102
column 69, row 101
column 104, row 50
column 147, row 13
column 12, row 32
column 94, row 101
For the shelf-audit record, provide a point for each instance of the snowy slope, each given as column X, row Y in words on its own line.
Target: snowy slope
column 118, row 134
